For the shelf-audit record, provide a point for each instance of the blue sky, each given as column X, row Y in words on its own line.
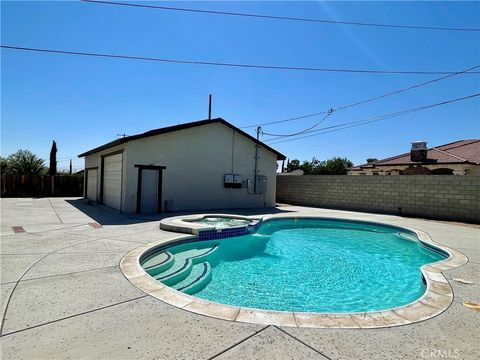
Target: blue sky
column 84, row 102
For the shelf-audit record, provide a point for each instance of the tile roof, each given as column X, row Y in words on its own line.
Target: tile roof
column 462, row 151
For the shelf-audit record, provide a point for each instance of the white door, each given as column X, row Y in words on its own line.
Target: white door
column 149, row 191
column 112, row 181
column 92, row 184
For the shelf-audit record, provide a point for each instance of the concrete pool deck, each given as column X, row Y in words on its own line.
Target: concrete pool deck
column 65, row 296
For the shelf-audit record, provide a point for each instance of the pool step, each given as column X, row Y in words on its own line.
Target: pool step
column 177, row 261
column 182, row 269
column 199, row 277
column 159, row 263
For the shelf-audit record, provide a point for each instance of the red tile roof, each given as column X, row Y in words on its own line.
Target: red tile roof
column 462, row 151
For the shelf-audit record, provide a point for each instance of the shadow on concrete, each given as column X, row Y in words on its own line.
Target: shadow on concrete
column 105, row 215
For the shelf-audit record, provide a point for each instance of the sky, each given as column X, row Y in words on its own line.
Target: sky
column 84, row 102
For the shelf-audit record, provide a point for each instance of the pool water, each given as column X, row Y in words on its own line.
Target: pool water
column 307, row 265
column 222, row 222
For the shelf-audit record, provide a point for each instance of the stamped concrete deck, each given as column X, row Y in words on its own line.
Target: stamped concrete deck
column 63, row 296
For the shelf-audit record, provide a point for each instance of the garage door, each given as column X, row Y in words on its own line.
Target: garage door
column 112, row 181
column 92, row 184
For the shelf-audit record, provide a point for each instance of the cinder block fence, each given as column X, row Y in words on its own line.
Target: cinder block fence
column 429, row 196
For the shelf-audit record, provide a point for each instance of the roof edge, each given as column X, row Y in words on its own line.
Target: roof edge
column 433, row 148
column 360, row 167
column 183, row 126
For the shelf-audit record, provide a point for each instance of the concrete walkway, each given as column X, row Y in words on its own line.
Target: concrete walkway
column 63, row 296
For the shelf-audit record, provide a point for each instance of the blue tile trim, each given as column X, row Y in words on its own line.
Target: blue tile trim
column 222, row 233
column 227, row 232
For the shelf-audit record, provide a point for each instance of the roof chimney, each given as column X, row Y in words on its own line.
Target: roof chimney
column 418, row 153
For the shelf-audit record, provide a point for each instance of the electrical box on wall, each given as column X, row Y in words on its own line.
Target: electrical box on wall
column 261, row 187
column 232, row 181
column 228, row 179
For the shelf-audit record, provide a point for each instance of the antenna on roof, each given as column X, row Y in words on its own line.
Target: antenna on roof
column 122, row 135
column 210, row 107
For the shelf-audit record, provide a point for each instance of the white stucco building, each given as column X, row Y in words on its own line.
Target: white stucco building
column 208, row 164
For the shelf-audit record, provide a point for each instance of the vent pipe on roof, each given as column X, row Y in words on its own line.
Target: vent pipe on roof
column 418, row 153
column 210, row 107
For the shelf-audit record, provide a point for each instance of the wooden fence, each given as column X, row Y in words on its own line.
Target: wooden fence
column 41, row 185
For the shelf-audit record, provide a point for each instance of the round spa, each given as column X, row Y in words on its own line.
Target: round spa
column 221, row 221
column 300, row 265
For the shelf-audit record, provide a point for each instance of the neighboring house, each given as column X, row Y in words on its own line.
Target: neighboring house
column 294, row 172
column 208, row 164
column 457, row 158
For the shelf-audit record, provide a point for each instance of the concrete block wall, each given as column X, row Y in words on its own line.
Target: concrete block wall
column 430, row 196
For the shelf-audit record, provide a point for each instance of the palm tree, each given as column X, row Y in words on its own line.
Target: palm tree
column 24, row 162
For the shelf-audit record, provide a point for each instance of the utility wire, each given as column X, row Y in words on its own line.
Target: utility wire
column 285, row 120
column 285, row 18
column 303, row 131
column 367, row 100
column 374, row 119
column 407, row 89
column 224, row 64
column 371, row 120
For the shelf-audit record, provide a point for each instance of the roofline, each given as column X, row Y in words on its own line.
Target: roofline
column 184, row 126
column 458, row 145
column 432, row 148
column 360, row 167
column 449, row 154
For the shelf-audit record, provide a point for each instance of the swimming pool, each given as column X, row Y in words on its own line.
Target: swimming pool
column 300, row 265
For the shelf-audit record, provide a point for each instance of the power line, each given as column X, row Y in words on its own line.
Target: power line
column 303, row 131
column 284, row 120
column 285, row 18
column 407, row 88
column 371, row 120
column 225, row 64
column 361, row 102
column 374, row 119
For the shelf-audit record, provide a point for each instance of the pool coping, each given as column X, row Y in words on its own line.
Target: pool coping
column 436, row 299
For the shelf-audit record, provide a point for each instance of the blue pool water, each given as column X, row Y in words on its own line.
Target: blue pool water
column 309, row 265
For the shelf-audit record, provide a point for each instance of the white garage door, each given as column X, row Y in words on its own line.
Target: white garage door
column 92, row 184
column 112, row 181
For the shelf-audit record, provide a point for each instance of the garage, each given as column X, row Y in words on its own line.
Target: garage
column 205, row 164
column 112, row 180
column 91, row 183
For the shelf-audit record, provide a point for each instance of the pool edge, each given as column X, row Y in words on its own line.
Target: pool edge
column 437, row 298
